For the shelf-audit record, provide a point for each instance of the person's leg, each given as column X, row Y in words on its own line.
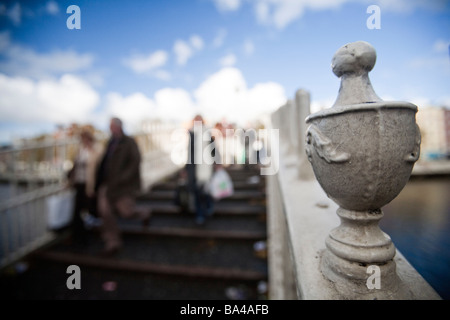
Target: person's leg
column 77, row 227
column 109, row 230
column 209, row 205
column 126, row 208
column 199, row 207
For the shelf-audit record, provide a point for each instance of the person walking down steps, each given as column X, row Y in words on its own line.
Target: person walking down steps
column 199, row 171
column 82, row 180
column 118, row 185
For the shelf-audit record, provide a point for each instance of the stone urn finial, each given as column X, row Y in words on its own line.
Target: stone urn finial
column 352, row 63
column 362, row 151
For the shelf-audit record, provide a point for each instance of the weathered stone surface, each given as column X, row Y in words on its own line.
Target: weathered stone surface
column 304, row 266
column 352, row 63
column 362, row 151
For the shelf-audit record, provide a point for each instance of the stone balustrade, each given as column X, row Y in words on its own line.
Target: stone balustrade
column 315, row 253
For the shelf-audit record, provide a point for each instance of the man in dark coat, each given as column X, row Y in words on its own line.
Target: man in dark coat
column 118, row 183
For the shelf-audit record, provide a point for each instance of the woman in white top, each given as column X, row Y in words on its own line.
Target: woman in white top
column 82, row 178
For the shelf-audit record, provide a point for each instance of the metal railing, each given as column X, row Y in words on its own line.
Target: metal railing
column 24, row 223
column 35, row 172
column 35, row 164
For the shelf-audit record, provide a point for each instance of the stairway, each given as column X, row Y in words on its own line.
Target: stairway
column 172, row 258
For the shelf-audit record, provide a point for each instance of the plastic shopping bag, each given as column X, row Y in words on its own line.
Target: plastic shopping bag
column 60, row 209
column 220, row 185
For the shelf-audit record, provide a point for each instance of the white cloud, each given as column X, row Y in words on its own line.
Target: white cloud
column 52, row 8
column 182, row 51
column 17, row 11
column 263, row 98
column 287, row 12
column 196, row 42
column 228, row 61
column 249, row 47
column 21, row 61
column 64, row 100
column 30, row 103
column 280, row 13
column 142, row 64
column 185, row 50
column 174, row 104
column 262, row 12
column 162, row 75
column 220, row 38
column 131, row 109
column 227, row 5
column 441, row 46
column 168, row 104
column 225, row 94
column 41, row 89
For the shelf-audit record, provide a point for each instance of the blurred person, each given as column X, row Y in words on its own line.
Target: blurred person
column 118, row 185
column 82, row 179
column 199, row 171
column 231, row 144
column 218, row 135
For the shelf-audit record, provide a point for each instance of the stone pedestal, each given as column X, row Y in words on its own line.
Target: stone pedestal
column 362, row 151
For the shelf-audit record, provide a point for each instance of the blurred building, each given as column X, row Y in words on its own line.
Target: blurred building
column 434, row 124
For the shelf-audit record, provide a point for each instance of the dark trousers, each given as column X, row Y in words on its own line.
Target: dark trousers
column 81, row 202
column 204, row 203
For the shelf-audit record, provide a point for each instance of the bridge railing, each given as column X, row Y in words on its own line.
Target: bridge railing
column 301, row 216
column 24, row 223
column 35, row 164
column 33, row 173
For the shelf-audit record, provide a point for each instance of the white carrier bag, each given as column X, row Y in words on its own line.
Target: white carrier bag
column 60, row 209
column 220, row 186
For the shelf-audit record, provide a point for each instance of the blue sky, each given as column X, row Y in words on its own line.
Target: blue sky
column 222, row 58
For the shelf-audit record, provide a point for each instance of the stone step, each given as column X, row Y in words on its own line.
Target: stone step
column 131, row 265
column 171, row 257
column 48, row 279
column 228, row 208
column 186, row 228
column 219, row 223
column 164, row 195
column 210, row 253
column 238, row 185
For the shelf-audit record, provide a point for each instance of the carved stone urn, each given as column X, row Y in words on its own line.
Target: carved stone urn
column 362, row 151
